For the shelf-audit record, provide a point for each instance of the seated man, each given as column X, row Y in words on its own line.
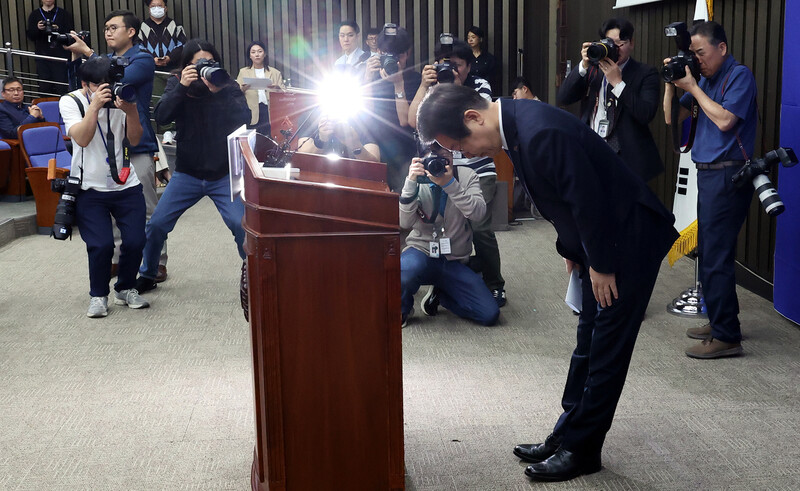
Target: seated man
column 342, row 137
column 440, row 242
column 13, row 113
column 521, row 89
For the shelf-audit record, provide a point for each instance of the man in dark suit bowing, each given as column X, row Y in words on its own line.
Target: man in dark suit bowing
column 619, row 97
column 611, row 229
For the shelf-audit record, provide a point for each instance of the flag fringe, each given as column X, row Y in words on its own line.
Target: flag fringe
column 685, row 244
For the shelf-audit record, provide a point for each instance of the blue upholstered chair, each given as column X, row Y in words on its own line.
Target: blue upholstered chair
column 40, row 142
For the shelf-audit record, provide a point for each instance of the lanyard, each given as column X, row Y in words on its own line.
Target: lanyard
column 55, row 13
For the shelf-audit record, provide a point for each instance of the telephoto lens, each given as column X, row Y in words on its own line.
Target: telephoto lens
column 211, row 71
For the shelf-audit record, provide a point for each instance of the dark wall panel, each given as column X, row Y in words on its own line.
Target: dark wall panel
column 301, row 35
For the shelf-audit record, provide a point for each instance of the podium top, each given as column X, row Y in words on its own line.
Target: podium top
column 336, row 190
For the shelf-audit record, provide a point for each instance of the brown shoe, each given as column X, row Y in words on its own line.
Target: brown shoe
column 713, row 348
column 703, row 332
column 162, row 273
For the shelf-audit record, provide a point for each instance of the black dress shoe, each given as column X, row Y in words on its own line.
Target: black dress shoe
column 537, row 452
column 563, row 466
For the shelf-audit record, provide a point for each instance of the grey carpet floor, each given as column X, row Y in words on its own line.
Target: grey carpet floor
column 162, row 398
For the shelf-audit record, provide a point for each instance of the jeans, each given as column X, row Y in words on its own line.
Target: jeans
column 181, row 194
column 462, row 291
column 94, row 211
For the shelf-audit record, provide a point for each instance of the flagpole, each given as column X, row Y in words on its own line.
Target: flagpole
column 690, row 302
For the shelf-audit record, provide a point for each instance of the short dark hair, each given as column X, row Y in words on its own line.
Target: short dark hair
column 477, row 31
column 11, row 80
column 250, row 46
column 460, row 50
column 402, row 42
column 148, row 2
column 193, row 46
column 373, row 31
column 442, row 110
column 711, row 31
column 624, row 26
column 519, row 83
column 94, row 70
column 350, row 23
column 129, row 19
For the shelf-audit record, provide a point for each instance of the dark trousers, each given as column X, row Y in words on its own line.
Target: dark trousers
column 721, row 211
column 262, row 126
column 487, row 253
column 94, row 211
column 51, row 70
column 606, row 337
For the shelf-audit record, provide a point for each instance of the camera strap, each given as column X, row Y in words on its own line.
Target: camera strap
column 121, row 176
column 676, row 131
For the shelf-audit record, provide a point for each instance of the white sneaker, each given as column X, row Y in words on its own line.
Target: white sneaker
column 98, row 307
column 168, row 138
column 131, row 298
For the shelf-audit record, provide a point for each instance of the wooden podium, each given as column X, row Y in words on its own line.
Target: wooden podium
column 323, row 276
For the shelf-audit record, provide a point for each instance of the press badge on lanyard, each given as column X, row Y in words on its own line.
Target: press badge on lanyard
column 602, row 128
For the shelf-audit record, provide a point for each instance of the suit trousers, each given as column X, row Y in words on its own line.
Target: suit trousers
column 606, row 337
column 721, row 211
column 145, row 168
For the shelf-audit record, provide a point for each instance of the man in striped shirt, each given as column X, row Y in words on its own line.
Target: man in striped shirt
column 487, row 253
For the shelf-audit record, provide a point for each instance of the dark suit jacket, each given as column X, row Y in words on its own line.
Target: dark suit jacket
column 581, row 186
column 636, row 107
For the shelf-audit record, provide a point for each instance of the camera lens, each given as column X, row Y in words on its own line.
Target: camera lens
column 596, row 52
column 126, row 92
column 444, row 73
column 437, row 166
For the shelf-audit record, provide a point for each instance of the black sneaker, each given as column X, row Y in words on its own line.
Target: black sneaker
column 430, row 302
column 499, row 297
column 145, row 284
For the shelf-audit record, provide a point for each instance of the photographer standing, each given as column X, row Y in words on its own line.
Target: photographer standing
column 100, row 133
column 619, row 98
column 440, row 241
column 487, row 253
column 49, row 18
column 121, row 35
column 392, row 85
column 725, row 138
column 204, row 114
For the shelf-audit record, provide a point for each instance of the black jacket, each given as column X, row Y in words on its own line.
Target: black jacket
column 580, row 185
column 636, row 107
column 61, row 18
column 203, row 124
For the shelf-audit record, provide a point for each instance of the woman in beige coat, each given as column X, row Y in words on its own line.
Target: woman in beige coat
column 257, row 100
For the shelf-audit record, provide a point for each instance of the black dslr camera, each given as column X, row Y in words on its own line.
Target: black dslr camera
column 600, row 50
column 756, row 170
column 435, row 164
column 676, row 68
column 389, row 60
column 444, row 69
column 65, row 210
column 212, row 71
column 64, row 39
column 116, row 72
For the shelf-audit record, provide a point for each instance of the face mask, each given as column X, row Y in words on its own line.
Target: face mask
column 158, row 12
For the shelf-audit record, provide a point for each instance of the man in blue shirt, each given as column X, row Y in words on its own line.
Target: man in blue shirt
column 13, row 113
column 121, row 35
column 726, row 130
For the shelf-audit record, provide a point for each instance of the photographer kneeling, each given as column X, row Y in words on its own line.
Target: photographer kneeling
column 102, row 131
column 206, row 106
column 440, row 242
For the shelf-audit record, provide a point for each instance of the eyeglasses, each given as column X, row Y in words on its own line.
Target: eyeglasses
column 15, row 89
column 112, row 28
